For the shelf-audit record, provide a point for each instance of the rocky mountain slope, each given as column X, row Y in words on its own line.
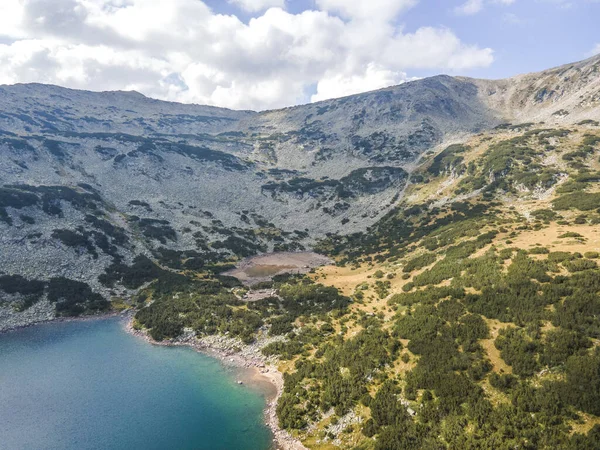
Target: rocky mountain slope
column 566, row 94
column 92, row 182
column 475, row 303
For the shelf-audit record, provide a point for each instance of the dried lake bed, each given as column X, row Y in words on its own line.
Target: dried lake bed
column 257, row 269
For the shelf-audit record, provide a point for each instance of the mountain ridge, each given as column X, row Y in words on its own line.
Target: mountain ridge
column 81, row 169
column 463, row 308
column 592, row 59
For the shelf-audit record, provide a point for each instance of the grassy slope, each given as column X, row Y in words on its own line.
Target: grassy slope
column 486, row 221
column 519, row 230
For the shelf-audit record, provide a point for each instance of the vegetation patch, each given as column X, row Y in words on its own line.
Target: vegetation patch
column 583, row 201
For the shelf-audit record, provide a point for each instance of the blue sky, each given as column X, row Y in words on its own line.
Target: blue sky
column 526, row 35
column 261, row 54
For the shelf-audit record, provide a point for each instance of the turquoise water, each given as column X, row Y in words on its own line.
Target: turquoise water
column 90, row 385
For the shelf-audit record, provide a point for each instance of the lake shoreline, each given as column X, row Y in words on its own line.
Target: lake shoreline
column 84, row 384
column 254, row 371
column 108, row 315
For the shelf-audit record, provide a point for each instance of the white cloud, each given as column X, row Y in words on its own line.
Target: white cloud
column 469, row 8
column 512, row 19
column 564, row 4
column 11, row 15
column 340, row 85
column 431, row 48
column 595, row 51
column 366, row 9
column 181, row 50
column 258, row 5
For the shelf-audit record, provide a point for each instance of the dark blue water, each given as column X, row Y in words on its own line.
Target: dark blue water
column 90, row 385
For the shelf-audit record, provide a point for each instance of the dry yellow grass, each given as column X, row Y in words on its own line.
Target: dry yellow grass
column 517, row 207
column 347, row 280
column 549, row 238
column 400, row 367
column 586, row 424
column 313, row 443
column 344, row 278
column 493, row 353
column 494, row 395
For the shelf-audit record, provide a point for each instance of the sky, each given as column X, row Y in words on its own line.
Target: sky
column 266, row 54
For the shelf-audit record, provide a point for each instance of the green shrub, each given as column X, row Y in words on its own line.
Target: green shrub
column 570, row 234
column 419, row 262
column 582, row 201
column 539, row 251
column 579, row 265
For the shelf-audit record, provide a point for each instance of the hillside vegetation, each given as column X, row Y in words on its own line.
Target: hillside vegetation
column 463, row 310
column 468, row 317
column 483, row 289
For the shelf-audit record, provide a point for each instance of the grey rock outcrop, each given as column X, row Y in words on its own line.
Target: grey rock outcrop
column 90, row 179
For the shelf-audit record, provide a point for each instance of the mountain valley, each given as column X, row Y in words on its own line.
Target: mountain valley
column 463, row 218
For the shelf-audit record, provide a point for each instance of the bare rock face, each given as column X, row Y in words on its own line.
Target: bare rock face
column 11, row 318
column 91, row 181
column 563, row 95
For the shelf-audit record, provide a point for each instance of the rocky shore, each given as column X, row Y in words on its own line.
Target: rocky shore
column 11, row 319
column 43, row 312
column 257, row 369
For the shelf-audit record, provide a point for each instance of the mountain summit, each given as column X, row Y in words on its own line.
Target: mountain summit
column 95, row 180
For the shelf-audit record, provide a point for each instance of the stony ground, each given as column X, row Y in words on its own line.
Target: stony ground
column 260, row 268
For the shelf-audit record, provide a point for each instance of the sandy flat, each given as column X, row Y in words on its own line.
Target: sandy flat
column 264, row 267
